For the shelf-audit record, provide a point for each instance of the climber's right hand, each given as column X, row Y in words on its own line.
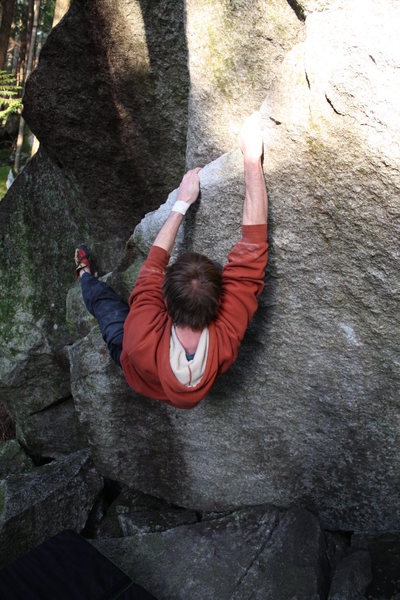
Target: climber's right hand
column 189, row 188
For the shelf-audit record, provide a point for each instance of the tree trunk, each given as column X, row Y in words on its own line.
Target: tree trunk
column 24, row 44
column 6, row 22
column 27, row 73
column 39, row 45
column 13, row 58
column 61, row 8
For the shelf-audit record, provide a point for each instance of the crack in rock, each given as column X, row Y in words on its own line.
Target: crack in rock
column 333, row 107
column 52, row 405
column 308, row 81
column 270, row 532
column 298, row 9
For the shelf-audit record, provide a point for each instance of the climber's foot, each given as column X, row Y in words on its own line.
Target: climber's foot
column 82, row 260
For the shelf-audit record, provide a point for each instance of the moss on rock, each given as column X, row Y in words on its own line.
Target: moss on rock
column 40, row 227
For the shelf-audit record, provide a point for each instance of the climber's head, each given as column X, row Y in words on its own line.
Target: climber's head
column 192, row 288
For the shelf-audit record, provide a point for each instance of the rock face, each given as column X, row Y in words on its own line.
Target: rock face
column 309, row 413
column 255, row 552
column 13, row 459
column 34, row 506
column 119, row 104
column 352, row 576
column 133, row 513
column 230, row 69
column 39, row 223
column 384, row 551
column 107, row 100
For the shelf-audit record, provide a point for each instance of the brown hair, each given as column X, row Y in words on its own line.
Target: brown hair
column 192, row 287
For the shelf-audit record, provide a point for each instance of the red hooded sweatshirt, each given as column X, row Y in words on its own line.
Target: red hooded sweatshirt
column 146, row 342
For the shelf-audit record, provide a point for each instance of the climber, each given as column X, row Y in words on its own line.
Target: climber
column 185, row 322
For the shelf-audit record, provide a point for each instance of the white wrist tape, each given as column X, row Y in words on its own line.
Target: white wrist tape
column 180, row 206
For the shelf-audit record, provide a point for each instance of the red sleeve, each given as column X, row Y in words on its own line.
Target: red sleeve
column 148, row 311
column 243, row 281
column 150, row 279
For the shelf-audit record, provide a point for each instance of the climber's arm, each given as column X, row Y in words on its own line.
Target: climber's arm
column 255, row 206
column 243, row 276
column 188, row 193
column 167, row 234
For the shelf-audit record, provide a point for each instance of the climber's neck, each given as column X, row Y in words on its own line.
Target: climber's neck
column 188, row 337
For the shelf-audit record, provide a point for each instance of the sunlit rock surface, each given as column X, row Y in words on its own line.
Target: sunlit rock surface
column 235, row 50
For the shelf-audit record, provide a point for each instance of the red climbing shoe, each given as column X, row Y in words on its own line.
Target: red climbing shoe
column 82, row 259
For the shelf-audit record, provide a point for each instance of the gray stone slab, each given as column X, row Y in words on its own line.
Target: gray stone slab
column 133, row 512
column 36, row 505
column 351, row 577
column 13, row 459
column 53, row 431
column 256, row 552
column 384, row 550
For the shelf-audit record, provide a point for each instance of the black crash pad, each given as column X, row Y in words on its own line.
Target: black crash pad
column 67, row 567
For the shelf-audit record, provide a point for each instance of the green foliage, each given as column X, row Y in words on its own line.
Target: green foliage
column 9, row 92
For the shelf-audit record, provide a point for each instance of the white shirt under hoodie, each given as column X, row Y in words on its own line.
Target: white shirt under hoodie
column 188, row 372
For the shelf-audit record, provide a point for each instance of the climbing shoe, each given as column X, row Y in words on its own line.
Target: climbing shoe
column 82, row 259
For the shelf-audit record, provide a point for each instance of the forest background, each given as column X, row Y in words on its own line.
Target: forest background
column 24, row 27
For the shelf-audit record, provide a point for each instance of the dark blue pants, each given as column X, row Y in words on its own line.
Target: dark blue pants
column 110, row 311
